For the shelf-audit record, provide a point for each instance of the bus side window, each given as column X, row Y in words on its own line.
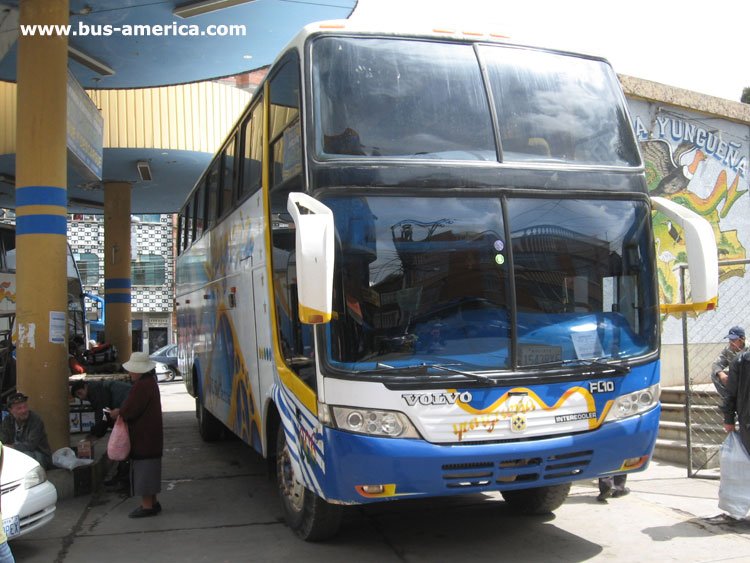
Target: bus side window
column 227, row 178
column 286, row 131
column 212, row 185
column 180, row 231
column 183, row 233
column 7, row 250
column 188, row 224
column 253, row 153
column 199, row 210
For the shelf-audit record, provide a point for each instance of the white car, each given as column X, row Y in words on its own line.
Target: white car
column 164, row 372
column 28, row 499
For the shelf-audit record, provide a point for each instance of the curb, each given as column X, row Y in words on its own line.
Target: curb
column 82, row 480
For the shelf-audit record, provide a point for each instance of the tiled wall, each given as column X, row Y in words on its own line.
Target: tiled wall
column 86, row 234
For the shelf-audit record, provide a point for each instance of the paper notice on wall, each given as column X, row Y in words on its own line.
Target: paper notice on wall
column 57, row 322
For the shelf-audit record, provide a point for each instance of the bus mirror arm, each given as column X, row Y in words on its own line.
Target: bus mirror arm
column 314, row 239
column 702, row 257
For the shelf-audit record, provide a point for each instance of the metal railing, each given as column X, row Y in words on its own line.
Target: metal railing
column 703, row 339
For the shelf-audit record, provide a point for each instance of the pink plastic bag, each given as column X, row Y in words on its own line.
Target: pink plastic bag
column 118, row 448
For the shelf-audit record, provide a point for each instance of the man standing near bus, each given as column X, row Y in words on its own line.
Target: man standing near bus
column 612, row 486
column 736, row 410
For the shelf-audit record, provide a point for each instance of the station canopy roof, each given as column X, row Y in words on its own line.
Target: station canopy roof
column 167, row 85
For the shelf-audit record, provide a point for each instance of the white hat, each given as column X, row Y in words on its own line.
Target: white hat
column 139, row 362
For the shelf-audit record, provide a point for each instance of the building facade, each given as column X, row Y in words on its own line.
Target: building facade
column 696, row 150
column 152, row 275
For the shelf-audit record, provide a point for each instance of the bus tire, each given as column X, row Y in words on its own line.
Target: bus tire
column 209, row 426
column 308, row 515
column 539, row 500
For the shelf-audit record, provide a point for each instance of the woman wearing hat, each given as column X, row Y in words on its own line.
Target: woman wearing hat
column 142, row 411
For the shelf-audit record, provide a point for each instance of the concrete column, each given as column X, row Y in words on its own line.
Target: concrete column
column 117, row 283
column 41, row 219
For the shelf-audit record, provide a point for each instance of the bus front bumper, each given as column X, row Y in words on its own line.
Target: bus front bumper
column 362, row 469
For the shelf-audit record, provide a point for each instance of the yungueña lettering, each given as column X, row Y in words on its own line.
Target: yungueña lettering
column 679, row 130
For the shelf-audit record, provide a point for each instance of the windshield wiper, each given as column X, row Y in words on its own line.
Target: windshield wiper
column 476, row 376
column 619, row 369
column 440, row 367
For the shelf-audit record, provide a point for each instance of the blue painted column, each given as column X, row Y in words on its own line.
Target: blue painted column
column 117, row 267
column 41, row 219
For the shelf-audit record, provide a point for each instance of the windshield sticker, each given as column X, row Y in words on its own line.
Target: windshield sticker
column 586, row 344
column 499, row 245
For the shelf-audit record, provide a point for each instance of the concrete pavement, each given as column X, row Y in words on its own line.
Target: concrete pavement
column 219, row 505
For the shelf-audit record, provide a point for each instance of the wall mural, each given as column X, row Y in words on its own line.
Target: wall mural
column 701, row 163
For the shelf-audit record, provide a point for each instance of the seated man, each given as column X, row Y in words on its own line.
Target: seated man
column 24, row 431
column 720, row 368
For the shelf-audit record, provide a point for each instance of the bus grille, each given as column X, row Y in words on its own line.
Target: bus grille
column 488, row 474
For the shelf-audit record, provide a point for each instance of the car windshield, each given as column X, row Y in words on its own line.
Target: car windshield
column 428, row 280
column 418, row 99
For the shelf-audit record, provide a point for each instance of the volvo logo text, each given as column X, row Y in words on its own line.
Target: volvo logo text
column 436, row 398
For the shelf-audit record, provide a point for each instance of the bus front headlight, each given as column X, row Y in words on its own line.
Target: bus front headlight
column 373, row 422
column 634, row 403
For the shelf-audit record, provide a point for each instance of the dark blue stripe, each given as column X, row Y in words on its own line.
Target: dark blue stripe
column 284, row 410
column 41, row 195
column 41, row 225
column 116, row 298
column 117, row 283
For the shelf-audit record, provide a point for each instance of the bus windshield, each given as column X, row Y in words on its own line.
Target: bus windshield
column 402, row 98
column 428, row 280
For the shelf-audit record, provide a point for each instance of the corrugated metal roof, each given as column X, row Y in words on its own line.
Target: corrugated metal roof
column 190, row 117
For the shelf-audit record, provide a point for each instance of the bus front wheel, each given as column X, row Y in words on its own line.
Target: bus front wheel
column 539, row 500
column 311, row 518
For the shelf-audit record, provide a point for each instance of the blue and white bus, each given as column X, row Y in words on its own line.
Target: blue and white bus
column 422, row 264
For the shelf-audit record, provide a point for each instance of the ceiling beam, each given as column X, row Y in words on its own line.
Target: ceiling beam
column 89, row 62
column 205, row 6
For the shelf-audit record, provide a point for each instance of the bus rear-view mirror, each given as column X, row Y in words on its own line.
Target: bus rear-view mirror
column 314, row 256
column 702, row 258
